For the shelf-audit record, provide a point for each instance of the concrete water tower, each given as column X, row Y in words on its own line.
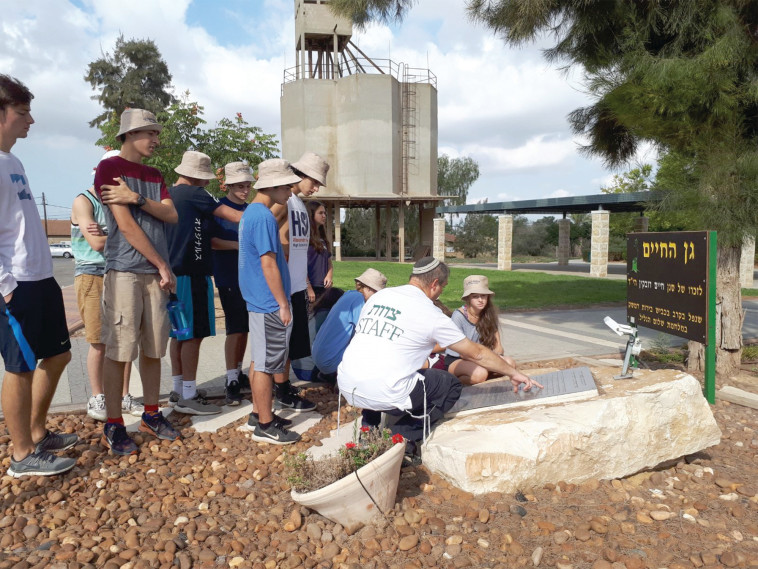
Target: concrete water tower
column 374, row 120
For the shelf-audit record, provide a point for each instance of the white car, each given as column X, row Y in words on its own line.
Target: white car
column 61, row 250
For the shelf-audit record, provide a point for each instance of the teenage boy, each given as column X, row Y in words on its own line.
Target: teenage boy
column 225, row 242
column 295, row 234
column 88, row 234
column 138, row 276
column 189, row 244
column 265, row 284
column 32, row 317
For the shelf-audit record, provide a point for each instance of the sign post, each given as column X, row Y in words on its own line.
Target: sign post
column 671, row 287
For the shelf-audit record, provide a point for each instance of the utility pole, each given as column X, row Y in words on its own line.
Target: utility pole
column 44, row 213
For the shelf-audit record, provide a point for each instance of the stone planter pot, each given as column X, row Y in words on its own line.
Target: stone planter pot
column 347, row 502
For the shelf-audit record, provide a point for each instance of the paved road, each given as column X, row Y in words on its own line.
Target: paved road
column 63, row 271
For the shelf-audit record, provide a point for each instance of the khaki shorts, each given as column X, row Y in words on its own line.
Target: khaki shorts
column 89, row 297
column 134, row 316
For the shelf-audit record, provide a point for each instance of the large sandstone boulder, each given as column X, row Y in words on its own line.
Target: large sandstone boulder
column 630, row 426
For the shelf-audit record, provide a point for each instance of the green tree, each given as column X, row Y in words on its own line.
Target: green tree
column 231, row 140
column 477, row 235
column 134, row 75
column 454, row 177
column 680, row 75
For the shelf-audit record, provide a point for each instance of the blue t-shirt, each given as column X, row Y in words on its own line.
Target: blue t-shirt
column 225, row 262
column 336, row 331
column 258, row 235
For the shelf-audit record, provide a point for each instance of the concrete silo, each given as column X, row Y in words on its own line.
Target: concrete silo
column 374, row 120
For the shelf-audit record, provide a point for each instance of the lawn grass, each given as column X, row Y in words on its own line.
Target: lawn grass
column 513, row 290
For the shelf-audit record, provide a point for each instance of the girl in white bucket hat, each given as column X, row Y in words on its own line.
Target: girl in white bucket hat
column 478, row 320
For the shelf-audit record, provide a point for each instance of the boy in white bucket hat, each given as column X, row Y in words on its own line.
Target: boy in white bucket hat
column 338, row 328
column 265, row 283
column 138, row 276
column 189, row 244
column 225, row 243
column 295, row 234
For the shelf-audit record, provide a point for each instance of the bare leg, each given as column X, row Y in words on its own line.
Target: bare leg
column 241, row 347
column 467, row 372
column 127, row 377
column 113, row 379
column 17, row 408
column 175, row 352
column 189, row 351
column 95, row 359
column 150, row 370
column 282, row 377
column 45, row 382
column 262, row 396
column 231, row 348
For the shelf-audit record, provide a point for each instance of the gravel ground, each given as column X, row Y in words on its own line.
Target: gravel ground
column 222, row 500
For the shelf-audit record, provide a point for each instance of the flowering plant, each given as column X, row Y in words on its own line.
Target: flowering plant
column 306, row 474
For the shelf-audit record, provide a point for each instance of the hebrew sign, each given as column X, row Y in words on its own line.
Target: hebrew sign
column 667, row 282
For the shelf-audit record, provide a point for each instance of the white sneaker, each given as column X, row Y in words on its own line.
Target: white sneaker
column 130, row 405
column 96, row 407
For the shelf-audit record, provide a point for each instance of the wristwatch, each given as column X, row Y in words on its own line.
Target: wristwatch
column 140, row 200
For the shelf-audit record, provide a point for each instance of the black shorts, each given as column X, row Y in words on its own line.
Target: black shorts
column 300, row 340
column 33, row 325
column 235, row 310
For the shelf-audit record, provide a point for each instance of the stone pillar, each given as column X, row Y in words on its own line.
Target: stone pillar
column 388, row 234
column 747, row 262
column 337, row 233
column 564, row 241
column 504, row 242
column 599, row 249
column 438, row 246
column 641, row 224
column 401, row 232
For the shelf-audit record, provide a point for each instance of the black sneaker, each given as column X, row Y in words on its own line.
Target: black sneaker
column 233, row 393
column 52, row 442
column 291, row 400
column 115, row 438
column 274, row 435
column 40, row 463
column 159, row 426
column 244, row 382
column 252, row 421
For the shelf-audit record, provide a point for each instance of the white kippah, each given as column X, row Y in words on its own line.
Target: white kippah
column 420, row 270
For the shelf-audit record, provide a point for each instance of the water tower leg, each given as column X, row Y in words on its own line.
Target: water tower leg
column 401, row 232
column 388, row 234
column 378, row 231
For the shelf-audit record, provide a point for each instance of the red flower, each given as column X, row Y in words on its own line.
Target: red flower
column 397, row 438
column 350, row 445
column 239, row 115
column 365, row 429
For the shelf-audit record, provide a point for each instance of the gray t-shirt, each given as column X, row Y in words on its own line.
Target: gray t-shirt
column 469, row 329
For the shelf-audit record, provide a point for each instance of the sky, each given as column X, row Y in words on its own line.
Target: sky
column 504, row 107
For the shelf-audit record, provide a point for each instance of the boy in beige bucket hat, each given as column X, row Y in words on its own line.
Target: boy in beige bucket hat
column 295, row 234
column 191, row 260
column 138, row 275
column 265, row 283
column 225, row 244
column 338, row 328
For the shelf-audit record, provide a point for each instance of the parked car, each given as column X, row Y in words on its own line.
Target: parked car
column 61, row 250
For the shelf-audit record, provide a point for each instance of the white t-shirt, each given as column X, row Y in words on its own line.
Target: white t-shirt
column 300, row 236
column 24, row 252
column 396, row 332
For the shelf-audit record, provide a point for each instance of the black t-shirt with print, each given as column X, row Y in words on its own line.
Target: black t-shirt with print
column 189, row 241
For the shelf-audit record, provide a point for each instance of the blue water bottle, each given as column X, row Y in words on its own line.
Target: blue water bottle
column 179, row 326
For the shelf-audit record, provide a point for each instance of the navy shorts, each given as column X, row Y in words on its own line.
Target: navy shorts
column 300, row 340
column 196, row 293
column 235, row 310
column 33, row 325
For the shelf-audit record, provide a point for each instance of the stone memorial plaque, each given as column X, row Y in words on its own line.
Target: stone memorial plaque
column 565, row 385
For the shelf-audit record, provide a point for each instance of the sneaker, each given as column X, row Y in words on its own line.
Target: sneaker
column 252, row 421
column 233, row 394
column 52, row 442
column 244, row 381
column 96, row 407
column 173, row 399
column 159, row 426
column 275, row 435
column 130, row 405
column 198, row 405
column 40, row 463
column 293, row 402
column 115, row 438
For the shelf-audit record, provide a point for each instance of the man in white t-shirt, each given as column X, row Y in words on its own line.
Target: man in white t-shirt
column 397, row 330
